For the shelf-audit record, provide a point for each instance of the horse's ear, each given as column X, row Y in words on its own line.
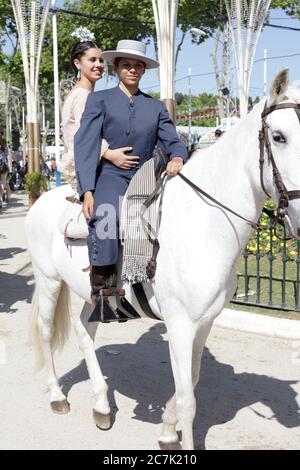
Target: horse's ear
column 279, row 85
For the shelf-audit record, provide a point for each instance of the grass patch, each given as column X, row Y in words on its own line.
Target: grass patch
column 282, row 293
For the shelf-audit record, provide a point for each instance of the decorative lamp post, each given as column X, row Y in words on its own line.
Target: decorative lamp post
column 246, row 19
column 165, row 15
column 221, row 73
column 31, row 19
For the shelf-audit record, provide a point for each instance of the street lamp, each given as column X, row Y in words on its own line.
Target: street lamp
column 245, row 20
column 165, row 15
column 31, row 23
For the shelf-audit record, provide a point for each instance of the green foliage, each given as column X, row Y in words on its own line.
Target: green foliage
column 291, row 8
column 192, row 13
column 268, row 242
column 107, row 32
column 35, row 184
column 200, row 102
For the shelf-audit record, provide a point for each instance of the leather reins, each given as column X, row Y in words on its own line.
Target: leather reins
column 284, row 195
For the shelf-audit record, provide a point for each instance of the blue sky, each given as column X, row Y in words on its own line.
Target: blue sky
column 277, row 42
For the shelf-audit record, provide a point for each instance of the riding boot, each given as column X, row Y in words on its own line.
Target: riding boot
column 100, row 290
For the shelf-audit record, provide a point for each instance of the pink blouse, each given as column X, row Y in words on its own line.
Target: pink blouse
column 71, row 114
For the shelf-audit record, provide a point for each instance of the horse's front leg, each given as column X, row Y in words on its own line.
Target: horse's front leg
column 181, row 333
column 86, row 334
column 169, row 437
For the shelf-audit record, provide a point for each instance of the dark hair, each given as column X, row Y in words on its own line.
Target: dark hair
column 79, row 50
column 117, row 61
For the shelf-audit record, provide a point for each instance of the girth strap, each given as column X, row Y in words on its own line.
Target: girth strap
column 139, row 292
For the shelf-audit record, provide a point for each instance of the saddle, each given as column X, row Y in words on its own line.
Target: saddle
column 72, row 223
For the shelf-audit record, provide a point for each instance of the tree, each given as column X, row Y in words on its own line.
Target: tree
column 140, row 25
column 291, row 8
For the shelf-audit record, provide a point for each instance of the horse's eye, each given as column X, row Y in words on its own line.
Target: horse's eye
column 278, row 138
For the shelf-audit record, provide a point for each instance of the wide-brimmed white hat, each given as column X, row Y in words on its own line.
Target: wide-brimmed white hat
column 131, row 50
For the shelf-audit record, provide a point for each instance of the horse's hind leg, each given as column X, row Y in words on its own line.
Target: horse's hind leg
column 48, row 293
column 86, row 334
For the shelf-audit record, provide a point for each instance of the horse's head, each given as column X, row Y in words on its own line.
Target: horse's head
column 280, row 141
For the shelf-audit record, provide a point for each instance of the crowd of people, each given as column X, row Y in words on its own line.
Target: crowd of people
column 13, row 179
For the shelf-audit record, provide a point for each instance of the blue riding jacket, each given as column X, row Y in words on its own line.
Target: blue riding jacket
column 140, row 124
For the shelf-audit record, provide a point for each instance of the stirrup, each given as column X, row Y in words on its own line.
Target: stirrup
column 104, row 311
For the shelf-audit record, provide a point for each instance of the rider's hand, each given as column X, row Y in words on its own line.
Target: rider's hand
column 88, row 205
column 119, row 158
column 174, row 166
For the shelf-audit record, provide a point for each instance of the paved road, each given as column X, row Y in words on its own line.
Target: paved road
column 248, row 397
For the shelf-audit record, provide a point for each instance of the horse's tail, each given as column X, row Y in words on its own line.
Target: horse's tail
column 60, row 328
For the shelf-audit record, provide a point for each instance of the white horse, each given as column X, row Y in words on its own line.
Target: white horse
column 200, row 244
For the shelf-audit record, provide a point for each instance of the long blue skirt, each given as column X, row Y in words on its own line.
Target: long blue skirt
column 103, row 240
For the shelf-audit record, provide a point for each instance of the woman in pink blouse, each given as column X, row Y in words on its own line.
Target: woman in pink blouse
column 88, row 67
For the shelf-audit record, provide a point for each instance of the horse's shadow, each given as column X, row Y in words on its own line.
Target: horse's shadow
column 14, row 288
column 7, row 253
column 13, row 202
column 142, row 372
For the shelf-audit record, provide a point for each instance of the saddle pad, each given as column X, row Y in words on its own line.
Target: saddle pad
column 137, row 249
column 72, row 223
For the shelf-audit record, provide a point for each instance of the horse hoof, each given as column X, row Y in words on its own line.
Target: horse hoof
column 60, row 407
column 101, row 420
column 169, row 445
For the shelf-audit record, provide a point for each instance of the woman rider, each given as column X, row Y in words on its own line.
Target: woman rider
column 125, row 117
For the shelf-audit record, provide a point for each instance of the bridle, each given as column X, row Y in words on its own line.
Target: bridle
column 284, row 195
column 264, row 142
